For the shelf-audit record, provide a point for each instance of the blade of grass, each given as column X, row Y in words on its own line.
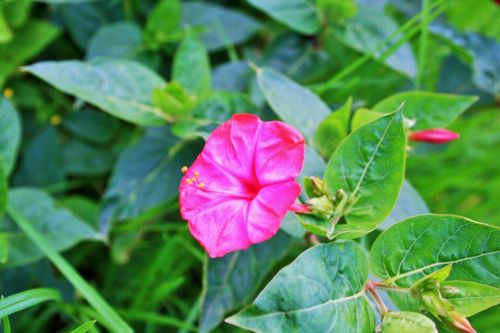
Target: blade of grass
column 362, row 60
column 26, row 299
column 193, row 314
column 151, row 317
column 110, row 317
column 6, row 325
column 422, row 43
column 84, row 327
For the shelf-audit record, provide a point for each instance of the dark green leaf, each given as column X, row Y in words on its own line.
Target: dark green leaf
column 470, row 298
column 83, row 159
column 322, row 290
column 122, row 88
column 413, row 248
column 3, row 193
column 231, row 280
column 298, row 15
column 407, row 322
column 428, row 109
column 220, row 26
column 191, row 67
column 58, row 225
column 369, row 166
column 115, row 40
column 10, row 135
column 23, row 300
column 90, row 125
column 333, row 129
column 293, row 103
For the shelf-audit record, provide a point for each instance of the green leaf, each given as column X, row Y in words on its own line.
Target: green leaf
column 146, row 176
column 4, row 247
column 428, row 109
column 298, row 15
column 369, row 29
column 369, row 166
column 17, row 12
column 173, row 100
column 293, row 103
column 115, row 40
column 26, row 299
column 6, row 325
column 83, row 159
column 409, row 204
column 418, row 246
column 407, row 322
column 84, row 327
column 191, row 67
column 92, row 126
column 4, row 186
column 322, row 290
column 5, row 32
column 364, row 116
column 470, row 298
column 162, row 21
column 337, row 10
column 231, row 280
column 29, row 40
column 122, row 88
column 10, row 135
column 58, row 225
column 221, row 27
column 333, row 129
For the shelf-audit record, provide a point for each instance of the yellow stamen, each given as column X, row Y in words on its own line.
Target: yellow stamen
column 189, row 181
column 196, row 174
column 201, row 185
column 184, row 169
column 8, row 93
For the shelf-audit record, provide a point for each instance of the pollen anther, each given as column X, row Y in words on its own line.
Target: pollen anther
column 201, row 185
column 184, row 169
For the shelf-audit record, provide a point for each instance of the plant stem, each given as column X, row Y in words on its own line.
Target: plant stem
column 371, row 289
column 110, row 318
column 422, row 43
column 392, row 288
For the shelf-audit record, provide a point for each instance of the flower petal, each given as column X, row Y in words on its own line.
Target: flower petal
column 268, row 209
column 221, row 229
column 279, row 153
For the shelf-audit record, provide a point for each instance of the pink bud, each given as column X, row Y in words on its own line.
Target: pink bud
column 461, row 323
column 300, row 208
column 435, row 135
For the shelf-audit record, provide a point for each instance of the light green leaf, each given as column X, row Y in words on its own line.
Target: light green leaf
column 366, row 31
column 84, row 327
column 26, row 299
column 163, row 20
column 428, row 109
column 29, row 40
column 220, row 26
column 321, row 291
column 369, row 166
column 4, row 187
column 58, row 225
column 364, row 116
column 333, row 129
column 418, row 246
column 10, row 136
column 17, row 12
column 298, row 15
column 293, row 103
column 407, row 322
column 122, row 88
column 5, row 32
column 4, row 247
column 231, row 280
column 115, row 40
column 470, row 298
column 191, row 67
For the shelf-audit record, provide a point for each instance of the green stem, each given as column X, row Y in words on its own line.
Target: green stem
column 110, row 317
column 371, row 289
column 422, row 43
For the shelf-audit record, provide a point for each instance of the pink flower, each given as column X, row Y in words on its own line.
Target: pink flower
column 242, row 184
column 436, row 135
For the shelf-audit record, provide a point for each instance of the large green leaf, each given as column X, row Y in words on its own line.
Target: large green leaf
column 293, row 103
column 28, row 41
column 220, row 26
column 146, row 176
column 368, row 30
column 321, row 291
column 470, row 298
column 413, row 248
column 10, row 135
column 298, row 15
column 115, row 40
column 25, row 299
column 191, row 67
column 83, row 159
column 231, row 280
column 369, row 166
column 59, row 226
column 122, row 88
column 428, row 109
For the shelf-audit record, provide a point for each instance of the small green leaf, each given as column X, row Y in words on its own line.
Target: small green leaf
column 298, row 15
column 191, row 67
column 231, row 280
column 84, row 327
column 322, row 290
column 333, row 129
column 470, row 298
column 418, row 246
column 173, row 100
column 293, row 103
column 162, row 21
column 25, row 299
column 60, row 226
column 5, row 31
column 407, row 322
column 4, row 247
column 369, row 167
column 10, row 136
column 122, row 88
column 428, row 109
